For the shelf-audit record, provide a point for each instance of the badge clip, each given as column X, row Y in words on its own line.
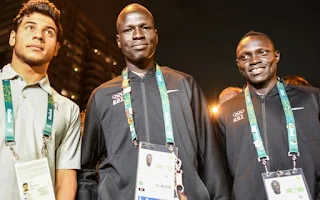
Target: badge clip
column 135, row 143
column 15, row 155
column 179, row 188
column 179, row 185
column 264, row 162
column 294, row 160
column 44, row 149
column 171, row 146
column 11, row 144
column 279, row 173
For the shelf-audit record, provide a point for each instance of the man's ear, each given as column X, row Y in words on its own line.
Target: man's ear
column 156, row 35
column 56, row 49
column 12, row 38
column 277, row 55
column 118, row 41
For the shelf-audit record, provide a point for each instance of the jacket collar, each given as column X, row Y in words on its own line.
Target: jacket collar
column 149, row 73
column 272, row 92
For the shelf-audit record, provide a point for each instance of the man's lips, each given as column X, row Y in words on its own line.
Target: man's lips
column 256, row 70
column 35, row 47
column 139, row 46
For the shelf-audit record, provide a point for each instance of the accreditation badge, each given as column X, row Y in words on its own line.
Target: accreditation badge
column 155, row 178
column 34, row 180
column 286, row 184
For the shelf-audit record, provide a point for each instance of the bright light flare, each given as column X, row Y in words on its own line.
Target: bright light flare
column 215, row 109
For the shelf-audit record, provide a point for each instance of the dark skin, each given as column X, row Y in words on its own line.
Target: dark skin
column 137, row 37
column 257, row 61
column 149, row 159
column 276, row 187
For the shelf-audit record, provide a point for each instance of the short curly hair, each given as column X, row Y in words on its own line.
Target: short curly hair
column 44, row 7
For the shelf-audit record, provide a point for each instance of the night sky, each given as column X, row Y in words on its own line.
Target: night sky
column 200, row 37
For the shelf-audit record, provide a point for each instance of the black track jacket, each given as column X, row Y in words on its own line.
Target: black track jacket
column 244, row 168
column 107, row 137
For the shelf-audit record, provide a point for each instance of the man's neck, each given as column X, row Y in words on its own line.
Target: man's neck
column 30, row 74
column 140, row 68
column 263, row 89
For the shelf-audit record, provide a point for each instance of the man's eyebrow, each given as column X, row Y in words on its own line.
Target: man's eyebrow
column 50, row 27
column 29, row 22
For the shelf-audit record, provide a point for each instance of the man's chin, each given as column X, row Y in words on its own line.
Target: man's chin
column 258, row 82
column 33, row 59
column 35, row 62
column 141, row 62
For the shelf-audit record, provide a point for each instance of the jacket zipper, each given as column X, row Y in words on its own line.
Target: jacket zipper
column 145, row 108
column 264, row 125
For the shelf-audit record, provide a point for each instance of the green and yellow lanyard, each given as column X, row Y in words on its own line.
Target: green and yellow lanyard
column 9, row 120
column 166, row 116
column 290, row 125
column 165, row 106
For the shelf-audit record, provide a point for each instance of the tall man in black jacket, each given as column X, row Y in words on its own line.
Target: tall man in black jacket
column 111, row 136
column 254, row 129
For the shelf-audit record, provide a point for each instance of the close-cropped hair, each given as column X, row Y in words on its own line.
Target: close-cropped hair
column 256, row 33
column 44, row 7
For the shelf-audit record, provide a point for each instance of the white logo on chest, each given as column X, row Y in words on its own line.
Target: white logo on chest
column 237, row 116
column 117, row 98
column 56, row 106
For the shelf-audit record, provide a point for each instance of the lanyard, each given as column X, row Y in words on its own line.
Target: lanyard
column 9, row 119
column 290, row 124
column 164, row 100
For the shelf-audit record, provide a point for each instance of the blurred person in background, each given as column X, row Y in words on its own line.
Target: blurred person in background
column 228, row 93
column 296, row 80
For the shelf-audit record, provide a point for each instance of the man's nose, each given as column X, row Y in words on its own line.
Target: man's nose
column 255, row 59
column 38, row 34
column 138, row 33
